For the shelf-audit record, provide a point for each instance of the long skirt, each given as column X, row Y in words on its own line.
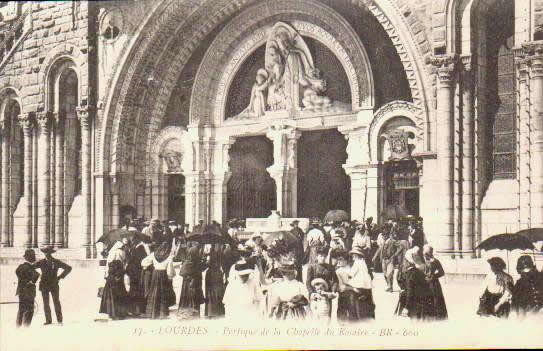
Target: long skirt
column 402, row 303
column 487, row 304
column 214, row 294
column 355, row 306
column 114, row 299
column 191, row 297
column 161, row 295
column 146, row 275
column 440, row 308
column 136, row 294
column 312, row 255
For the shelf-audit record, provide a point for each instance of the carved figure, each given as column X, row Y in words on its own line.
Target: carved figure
column 257, row 106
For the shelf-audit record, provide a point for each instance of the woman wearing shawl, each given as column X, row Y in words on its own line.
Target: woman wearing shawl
column 417, row 296
column 191, row 296
column 214, row 284
column 134, row 271
column 289, row 297
column 433, row 271
column 497, row 291
column 160, row 295
column 114, row 297
column 243, row 295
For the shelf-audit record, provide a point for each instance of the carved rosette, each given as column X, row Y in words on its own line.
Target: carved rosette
column 444, row 66
column 26, row 120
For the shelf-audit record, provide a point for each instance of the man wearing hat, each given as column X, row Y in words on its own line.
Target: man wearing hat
column 528, row 290
column 49, row 282
column 26, row 288
column 299, row 249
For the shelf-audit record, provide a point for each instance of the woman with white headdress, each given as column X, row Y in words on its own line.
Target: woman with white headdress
column 243, row 295
column 433, row 271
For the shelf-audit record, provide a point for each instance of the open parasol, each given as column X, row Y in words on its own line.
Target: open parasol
column 337, row 216
column 506, row 241
column 116, row 234
column 532, row 234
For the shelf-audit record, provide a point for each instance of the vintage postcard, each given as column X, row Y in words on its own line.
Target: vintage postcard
column 271, row 174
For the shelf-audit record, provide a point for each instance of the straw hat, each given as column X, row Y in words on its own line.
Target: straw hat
column 319, row 281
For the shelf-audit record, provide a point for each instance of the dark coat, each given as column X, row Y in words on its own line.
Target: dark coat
column 27, row 278
column 49, row 271
column 528, row 293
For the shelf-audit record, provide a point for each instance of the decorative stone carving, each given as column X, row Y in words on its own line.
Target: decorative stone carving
column 44, row 120
column 445, row 66
column 111, row 24
column 26, row 120
column 84, row 116
column 399, row 144
column 173, row 160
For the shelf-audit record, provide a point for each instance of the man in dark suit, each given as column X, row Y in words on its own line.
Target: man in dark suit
column 49, row 282
column 26, row 288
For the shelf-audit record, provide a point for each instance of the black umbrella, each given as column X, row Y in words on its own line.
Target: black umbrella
column 508, row 242
column 532, row 234
column 337, row 216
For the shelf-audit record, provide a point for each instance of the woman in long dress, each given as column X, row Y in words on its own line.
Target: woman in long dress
column 160, row 295
column 289, row 297
column 135, row 271
column 114, row 297
column 214, row 285
column 418, row 299
column 433, row 271
column 191, row 296
column 497, row 291
column 243, row 296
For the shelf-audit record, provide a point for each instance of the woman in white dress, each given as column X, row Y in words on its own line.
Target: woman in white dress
column 497, row 291
column 243, row 295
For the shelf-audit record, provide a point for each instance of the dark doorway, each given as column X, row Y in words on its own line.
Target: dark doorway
column 251, row 190
column 176, row 198
column 322, row 182
column 401, row 189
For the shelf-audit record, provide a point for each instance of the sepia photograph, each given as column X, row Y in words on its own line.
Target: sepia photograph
column 271, row 174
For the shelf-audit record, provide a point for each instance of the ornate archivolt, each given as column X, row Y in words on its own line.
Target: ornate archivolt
column 285, row 23
column 192, row 22
column 395, row 110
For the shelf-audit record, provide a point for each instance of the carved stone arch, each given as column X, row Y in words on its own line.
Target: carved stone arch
column 6, row 95
column 158, row 157
column 387, row 113
column 250, row 30
column 196, row 21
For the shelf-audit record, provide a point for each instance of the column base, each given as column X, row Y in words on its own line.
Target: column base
column 58, row 245
column 4, row 244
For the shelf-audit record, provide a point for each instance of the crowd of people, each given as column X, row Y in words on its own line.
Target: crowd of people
column 267, row 280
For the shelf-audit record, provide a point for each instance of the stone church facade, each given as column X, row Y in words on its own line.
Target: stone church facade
column 208, row 110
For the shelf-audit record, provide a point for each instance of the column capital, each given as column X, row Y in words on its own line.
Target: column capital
column 84, row 114
column 44, row 119
column 26, row 120
column 444, row 66
column 529, row 58
column 275, row 130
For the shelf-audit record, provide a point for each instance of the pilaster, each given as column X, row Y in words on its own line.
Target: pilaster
column 44, row 120
column 59, row 119
column 5, row 219
column 27, row 122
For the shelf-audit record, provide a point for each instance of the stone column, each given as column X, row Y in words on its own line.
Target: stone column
column 59, row 183
column 115, row 213
column 84, row 114
column 468, row 159
column 357, row 166
column 44, row 189
column 27, row 123
column 284, row 169
column 4, row 189
column 534, row 57
column 443, row 238
column 219, row 181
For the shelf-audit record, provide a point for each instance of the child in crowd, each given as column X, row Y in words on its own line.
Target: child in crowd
column 321, row 300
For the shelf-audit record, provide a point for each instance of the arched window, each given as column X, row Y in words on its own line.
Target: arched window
column 500, row 93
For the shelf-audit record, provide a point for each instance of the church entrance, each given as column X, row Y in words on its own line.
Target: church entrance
column 251, row 190
column 401, row 184
column 176, row 198
column 322, row 182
